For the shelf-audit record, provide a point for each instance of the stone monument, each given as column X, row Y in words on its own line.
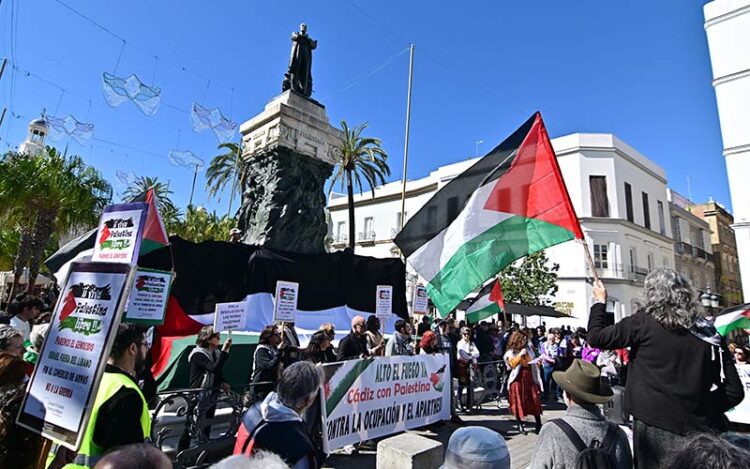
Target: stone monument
column 290, row 149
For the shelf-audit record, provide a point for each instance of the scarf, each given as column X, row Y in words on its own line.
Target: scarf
column 704, row 329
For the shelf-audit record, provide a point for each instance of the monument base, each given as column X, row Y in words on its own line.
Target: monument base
column 290, row 149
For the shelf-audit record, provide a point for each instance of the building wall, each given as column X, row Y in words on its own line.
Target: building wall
column 727, row 28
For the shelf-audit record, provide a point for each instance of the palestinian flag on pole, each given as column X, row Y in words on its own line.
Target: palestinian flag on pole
column 487, row 303
column 82, row 247
column 509, row 204
column 732, row 319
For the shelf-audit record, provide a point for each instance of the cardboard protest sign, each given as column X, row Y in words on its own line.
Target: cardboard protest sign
column 374, row 397
column 148, row 298
column 71, row 362
column 285, row 301
column 118, row 238
column 384, row 301
column 420, row 303
column 230, row 316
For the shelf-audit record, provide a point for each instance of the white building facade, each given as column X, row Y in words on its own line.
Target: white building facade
column 727, row 28
column 619, row 195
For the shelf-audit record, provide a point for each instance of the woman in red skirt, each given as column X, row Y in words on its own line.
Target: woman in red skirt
column 524, row 381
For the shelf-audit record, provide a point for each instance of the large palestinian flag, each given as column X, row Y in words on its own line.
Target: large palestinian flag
column 732, row 319
column 511, row 203
column 488, row 302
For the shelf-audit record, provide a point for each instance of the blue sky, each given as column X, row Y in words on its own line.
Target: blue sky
column 640, row 70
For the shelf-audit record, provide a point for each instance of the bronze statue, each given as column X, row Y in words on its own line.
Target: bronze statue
column 299, row 76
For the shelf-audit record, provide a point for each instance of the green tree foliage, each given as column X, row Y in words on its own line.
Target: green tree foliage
column 201, row 225
column 359, row 158
column 531, row 282
column 44, row 196
column 229, row 168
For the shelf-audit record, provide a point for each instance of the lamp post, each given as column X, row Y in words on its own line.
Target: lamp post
column 709, row 300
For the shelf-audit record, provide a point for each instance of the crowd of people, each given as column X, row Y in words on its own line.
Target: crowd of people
column 679, row 379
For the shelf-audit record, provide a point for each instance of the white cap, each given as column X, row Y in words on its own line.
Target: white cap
column 476, row 448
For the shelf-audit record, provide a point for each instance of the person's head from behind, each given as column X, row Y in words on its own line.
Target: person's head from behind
column 582, row 384
column 26, row 307
column 425, row 320
column 270, row 336
column 706, row 451
column 444, row 327
column 18, row 447
column 208, row 338
column 373, row 323
column 130, row 349
column 37, row 336
column 670, row 299
column 517, row 341
column 298, row 386
column 12, row 369
column 329, row 328
column 358, row 325
column 429, row 341
column 476, row 447
column 11, row 340
column 140, row 455
column 259, row 460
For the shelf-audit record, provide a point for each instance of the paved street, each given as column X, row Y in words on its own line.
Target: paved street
column 520, row 446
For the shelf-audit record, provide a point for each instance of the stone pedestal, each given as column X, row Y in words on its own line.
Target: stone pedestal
column 290, row 148
column 409, row 450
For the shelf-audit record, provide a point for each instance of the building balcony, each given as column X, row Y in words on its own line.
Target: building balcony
column 366, row 237
column 636, row 273
column 702, row 254
column 607, row 270
column 683, row 248
column 340, row 239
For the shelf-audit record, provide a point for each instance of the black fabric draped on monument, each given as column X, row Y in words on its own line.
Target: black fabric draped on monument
column 216, row 272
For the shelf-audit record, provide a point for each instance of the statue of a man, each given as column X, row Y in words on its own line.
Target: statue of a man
column 299, row 76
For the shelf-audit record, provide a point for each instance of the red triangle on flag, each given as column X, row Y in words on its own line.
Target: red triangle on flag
column 154, row 234
column 496, row 295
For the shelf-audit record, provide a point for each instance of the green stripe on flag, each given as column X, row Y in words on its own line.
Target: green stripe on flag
column 740, row 323
column 487, row 254
column 148, row 245
column 346, row 382
column 484, row 313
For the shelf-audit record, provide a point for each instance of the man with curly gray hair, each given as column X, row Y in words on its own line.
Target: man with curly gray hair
column 681, row 378
column 11, row 340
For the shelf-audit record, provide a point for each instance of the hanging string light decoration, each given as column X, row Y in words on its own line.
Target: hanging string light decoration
column 69, row 126
column 202, row 118
column 187, row 159
column 118, row 90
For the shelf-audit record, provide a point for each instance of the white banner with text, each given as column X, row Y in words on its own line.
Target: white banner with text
column 374, row 397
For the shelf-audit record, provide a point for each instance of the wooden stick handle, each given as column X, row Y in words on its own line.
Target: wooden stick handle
column 589, row 260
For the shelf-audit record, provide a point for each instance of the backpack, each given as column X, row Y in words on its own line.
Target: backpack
column 600, row 455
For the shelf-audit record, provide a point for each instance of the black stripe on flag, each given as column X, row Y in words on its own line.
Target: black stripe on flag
column 440, row 211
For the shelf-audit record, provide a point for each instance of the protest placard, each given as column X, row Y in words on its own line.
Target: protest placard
column 230, row 316
column 71, row 362
column 285, row 301
column 118, row 238
column 420, row 303
column 384, row 301
column 741, row 413
column 374, row 397
column 148, row 298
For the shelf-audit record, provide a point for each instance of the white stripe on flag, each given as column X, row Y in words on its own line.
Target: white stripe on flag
column 473, row 220
column 480, row 304
column 62, row 272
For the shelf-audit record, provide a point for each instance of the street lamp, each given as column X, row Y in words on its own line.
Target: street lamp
column 708, row 299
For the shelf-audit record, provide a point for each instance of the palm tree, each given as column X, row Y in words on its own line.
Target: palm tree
column 46, row 195
column 359, row 157
column 201, row 225
column 229, row 167
column 170, row 214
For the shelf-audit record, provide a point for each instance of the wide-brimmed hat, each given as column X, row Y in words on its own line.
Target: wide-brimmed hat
column 582, row 380
column 476, row 448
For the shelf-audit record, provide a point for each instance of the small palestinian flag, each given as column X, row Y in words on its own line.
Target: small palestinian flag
column 154, row 234
column 732, row 319
column 488, row 302
column 509, row 204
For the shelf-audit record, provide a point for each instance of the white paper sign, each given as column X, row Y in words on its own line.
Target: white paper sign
column 741, row 413
column 420, row 304
column 148, row 297
column 119, row 236
column 384, row 301
column 230, row 316
column 285, row 301
column 72, row 360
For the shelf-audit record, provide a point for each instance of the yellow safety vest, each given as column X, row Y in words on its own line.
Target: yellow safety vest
column 90, row 453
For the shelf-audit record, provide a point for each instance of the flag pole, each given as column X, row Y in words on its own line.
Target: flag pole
column 406, row 137
column 589, row 260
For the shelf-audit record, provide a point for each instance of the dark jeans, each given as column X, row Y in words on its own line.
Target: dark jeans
column 652, row 446
column 548, row 382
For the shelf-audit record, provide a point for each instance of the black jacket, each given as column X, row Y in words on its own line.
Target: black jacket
column 265, row 370
column 201, row 364
column 670, row 374
column 288, row 440
column 351, row 347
